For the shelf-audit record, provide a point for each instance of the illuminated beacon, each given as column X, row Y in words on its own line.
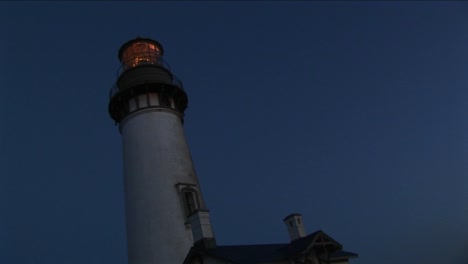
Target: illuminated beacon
column 165, row 211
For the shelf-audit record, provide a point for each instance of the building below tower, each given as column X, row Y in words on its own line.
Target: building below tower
column 315, row 248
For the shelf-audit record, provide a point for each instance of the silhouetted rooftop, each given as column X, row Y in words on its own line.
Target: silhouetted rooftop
column 261, row 253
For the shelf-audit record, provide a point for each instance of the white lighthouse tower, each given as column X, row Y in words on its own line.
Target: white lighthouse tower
column 162, row 194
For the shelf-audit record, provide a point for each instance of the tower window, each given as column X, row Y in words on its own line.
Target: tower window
column 190, row 199
column 164, row 101
column 190, row 202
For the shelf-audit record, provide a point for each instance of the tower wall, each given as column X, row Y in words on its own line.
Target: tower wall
column 156, row 159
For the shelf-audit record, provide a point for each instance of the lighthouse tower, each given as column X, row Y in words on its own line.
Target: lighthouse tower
column 165, row 211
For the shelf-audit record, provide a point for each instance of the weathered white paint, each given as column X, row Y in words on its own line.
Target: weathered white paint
column 156, row 158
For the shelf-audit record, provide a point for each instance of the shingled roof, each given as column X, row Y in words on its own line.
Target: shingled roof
column 264, row 253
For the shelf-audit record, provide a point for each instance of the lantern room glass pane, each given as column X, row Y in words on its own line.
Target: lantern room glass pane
column 140, row 53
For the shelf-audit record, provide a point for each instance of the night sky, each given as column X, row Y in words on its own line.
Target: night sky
column 354, row 114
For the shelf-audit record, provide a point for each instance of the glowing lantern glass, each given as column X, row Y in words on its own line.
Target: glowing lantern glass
column 140, row 52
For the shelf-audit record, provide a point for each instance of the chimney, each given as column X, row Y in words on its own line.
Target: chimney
column 295, row 226
column 201, row 229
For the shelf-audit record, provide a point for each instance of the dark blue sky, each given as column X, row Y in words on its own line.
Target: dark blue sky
column 353, row 114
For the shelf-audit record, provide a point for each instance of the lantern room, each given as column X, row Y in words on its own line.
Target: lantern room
column 145, row 80
column 140, row 51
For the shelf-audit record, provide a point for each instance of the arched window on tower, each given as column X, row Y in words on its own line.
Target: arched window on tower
column 190, row 199
column 190, row 202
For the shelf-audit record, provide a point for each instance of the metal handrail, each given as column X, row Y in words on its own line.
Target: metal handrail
column 159, row 62
column 174, row 81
